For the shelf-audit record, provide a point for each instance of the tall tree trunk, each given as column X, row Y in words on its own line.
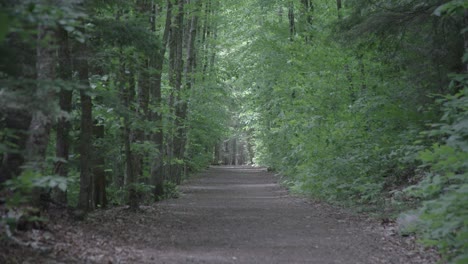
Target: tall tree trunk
column 178, row 147
column 182, row 108
column 63, row 126
column 85, row 198
column 41, row 121
column 99, row 174
column 157, row 174
column 143, row 94
column 175, row 81
column 127, row 92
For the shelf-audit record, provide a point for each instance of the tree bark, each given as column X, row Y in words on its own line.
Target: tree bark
column 100, row 197
column 63, row 126
column 292, row 26
column 157, row 174
column 175, row 81
column 127, row 93
column 308, row 8
column 206, row 34
column 182, row 107
column 41, row 121
column 85, row 198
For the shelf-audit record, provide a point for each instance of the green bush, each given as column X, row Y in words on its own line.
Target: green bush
column 443, row 216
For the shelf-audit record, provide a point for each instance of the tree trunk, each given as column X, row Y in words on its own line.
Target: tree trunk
column 127, row 86
column 157, row 173
column 175, row 81
column 63, row 126
column 206, row 35
column 292, row 27
column 41, row 121
column 100, row 198
column 85, row 198
column 338, row 7
column 308, row 8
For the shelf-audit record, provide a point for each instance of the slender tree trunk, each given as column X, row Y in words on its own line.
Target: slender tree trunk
column 85, row 198
column 63, row 126
column 179, row 136
column 206, row 34
column 157, row 173
column 308, row 8
column 127, row 90
column 175, row 75
column 338, row 8
column 144, row 83
column 169, row 136
column 100, row 198
column 292, row 26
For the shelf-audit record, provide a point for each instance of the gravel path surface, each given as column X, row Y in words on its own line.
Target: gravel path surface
column 241, row 215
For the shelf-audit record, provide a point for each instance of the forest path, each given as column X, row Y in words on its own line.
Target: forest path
column 241, row 215
column 224, row 215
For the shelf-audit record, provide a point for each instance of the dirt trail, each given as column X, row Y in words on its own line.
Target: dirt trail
column 241, row 215
column 225, row 215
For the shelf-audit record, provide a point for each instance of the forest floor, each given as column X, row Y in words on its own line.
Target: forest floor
column 224, row 215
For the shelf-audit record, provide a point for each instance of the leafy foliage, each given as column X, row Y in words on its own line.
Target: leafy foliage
column 444, row 188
